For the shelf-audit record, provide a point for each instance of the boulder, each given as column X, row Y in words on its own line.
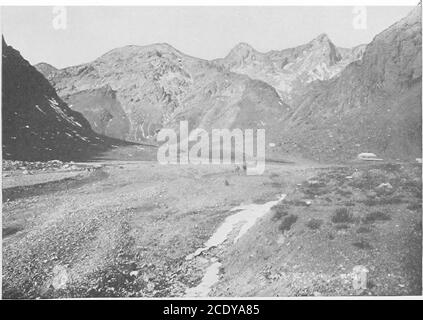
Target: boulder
column 367, row 156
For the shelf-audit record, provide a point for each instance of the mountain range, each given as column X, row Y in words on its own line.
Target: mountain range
column 291, row 69
column 316, row 100
column 158, row 85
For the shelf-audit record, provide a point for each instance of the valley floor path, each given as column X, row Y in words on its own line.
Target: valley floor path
column 136, row 229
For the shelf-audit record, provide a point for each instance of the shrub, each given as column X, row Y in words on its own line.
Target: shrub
column 349, row 203
column 391, row 167
column 342, row 215
column 344, row 193
column 297, row 203
column 376, row 216
column 363, row 229
column 314, row 223
column 383, row 201
column 414, row 206
column 279, row 211
column 314, row 188
column 369, row 180
column 370, row 202
column 341, row 226
column 393, row 200
column 287, row 222
column 362, row 244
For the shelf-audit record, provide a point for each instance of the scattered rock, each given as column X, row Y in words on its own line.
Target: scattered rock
column 134, row 273
column 359, row 276
column 362, row 244
column 313, row 183
column 368, row 157
column 357, row 175
column 384, row 186
column 281, row 239
column 60, row 277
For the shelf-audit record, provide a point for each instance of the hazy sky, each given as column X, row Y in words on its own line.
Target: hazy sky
column 204, row 32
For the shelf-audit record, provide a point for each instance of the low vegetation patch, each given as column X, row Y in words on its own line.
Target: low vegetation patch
column 342, row 215
column 390, row 167
column 397, row 199
column 370, row 202
column 274, row 175
column 376, row 216
column 363, row 229
column 280, row 211
column 341, row 226
column 392, row 200
column 414, row 206
column 344, row 193
column 314, row 188
column 287, row 222
column 314, row 223
column 362, row 244
column 372, row 178
column 349, row 203
column 297, row 203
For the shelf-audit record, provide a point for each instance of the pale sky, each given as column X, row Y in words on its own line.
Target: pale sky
column 203, row 32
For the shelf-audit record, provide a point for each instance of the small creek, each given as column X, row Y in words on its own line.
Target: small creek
column 246, row 216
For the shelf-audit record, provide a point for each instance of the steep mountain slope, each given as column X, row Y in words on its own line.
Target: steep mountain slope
column 157, row 86
column 37, row 124
column 291, row 69
column 102, row 110
column 46, row 69
column 373, row 106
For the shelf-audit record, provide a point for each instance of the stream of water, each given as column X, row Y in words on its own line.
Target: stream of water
column 247, row 216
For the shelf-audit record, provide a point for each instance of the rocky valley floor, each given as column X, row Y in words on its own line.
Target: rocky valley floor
column 130, row 228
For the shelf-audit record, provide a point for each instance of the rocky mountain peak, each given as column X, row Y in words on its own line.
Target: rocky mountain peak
column 323, row 46
column 242, row 49
column 243, row 46
column 162, row 47
column 322, row 38
column 46, row 69
column 134, row 51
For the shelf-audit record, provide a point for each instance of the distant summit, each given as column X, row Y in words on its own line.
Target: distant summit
column 291, row 69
